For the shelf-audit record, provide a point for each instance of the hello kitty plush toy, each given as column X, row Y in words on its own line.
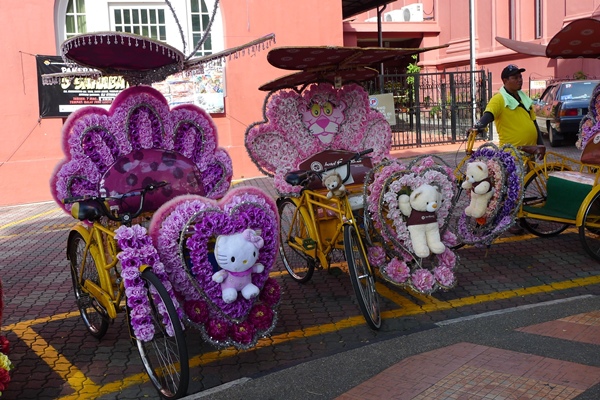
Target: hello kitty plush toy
column 237, row 254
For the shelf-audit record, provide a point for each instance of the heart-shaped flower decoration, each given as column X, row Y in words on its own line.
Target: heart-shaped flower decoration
column 184, row 231
column 383, row 187
column 505, row 167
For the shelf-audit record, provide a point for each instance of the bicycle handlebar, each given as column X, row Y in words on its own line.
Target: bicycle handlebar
column 98, row 203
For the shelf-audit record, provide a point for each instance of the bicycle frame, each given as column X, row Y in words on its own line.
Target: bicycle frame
column 324, row 230
column 108, row 294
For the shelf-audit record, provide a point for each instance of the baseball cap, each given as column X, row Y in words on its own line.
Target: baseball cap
column 511, row 70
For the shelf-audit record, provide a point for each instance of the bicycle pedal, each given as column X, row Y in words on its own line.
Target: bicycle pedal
column 309, row 244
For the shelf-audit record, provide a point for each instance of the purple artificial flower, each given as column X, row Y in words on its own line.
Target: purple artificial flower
column 196, row 310
column 243, row 332
column 270, row 293
column 261, row 317
column 144, row 332
column 217, row 329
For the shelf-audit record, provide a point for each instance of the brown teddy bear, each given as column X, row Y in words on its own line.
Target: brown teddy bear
column 333, row 182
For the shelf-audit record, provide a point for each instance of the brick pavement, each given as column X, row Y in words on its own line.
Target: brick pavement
column 471, row 371
column 55, row 358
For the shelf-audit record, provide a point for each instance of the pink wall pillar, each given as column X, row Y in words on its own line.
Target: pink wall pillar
column 306, row 23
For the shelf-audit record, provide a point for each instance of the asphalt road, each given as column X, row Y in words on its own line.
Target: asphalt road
column 321, row 346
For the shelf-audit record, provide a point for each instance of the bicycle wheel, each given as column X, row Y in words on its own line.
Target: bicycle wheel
column 535, row 194
column 299, row 265
column 363, row 280
column 165, row 357
column 93, row 314
column 589, row 231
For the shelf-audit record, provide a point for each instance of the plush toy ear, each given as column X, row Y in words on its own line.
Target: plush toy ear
column 415, row 195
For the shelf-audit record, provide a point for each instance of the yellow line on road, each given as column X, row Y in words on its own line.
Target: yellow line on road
column 86, row 389
column 57, row 362
column 444, row 305
column 29, row 218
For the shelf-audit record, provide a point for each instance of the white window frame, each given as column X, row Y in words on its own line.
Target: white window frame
column 76, row 14
column 101, row 21
column 112, row 7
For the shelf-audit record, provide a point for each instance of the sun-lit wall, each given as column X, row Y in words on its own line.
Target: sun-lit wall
column 31, row 148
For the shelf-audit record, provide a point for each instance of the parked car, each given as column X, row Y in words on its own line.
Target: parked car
column 561, row 107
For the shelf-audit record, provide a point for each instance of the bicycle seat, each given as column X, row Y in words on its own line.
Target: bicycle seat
column 296, row 178
column 87, row 210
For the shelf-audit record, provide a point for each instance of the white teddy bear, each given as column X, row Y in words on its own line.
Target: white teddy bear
column 477, row 179
column 422, row 223
column 334, row 184
column 237, row 255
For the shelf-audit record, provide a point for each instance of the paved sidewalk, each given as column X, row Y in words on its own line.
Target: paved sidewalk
column 321, row 347
column 546, row 352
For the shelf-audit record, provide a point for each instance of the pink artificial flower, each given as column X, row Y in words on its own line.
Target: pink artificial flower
column 447, row 258
column 444, row 276
column 397, row 270
column 270, row 293
column 376, row 256
column 423, row 280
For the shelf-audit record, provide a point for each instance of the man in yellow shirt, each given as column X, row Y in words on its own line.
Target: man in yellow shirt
column 512, row 112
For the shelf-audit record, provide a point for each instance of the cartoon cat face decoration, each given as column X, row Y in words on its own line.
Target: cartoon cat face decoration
column 323, row 119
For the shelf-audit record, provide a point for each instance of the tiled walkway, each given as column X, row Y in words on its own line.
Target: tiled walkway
column 470, row 371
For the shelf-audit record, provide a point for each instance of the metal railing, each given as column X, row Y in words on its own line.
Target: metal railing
column 433, row 108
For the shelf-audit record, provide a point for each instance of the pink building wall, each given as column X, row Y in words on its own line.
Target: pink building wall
column 30, row 148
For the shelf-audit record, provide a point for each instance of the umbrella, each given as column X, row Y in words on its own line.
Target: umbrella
column 580, row 38
column 333, row 64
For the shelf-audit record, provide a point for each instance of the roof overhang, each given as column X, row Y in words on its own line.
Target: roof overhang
column 353, row 7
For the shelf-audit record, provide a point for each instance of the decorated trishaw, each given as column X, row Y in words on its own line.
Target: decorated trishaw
column 339, row 189
column 162, row 237
column 560, row 191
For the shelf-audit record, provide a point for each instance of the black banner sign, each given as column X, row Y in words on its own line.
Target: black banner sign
column 61, row 99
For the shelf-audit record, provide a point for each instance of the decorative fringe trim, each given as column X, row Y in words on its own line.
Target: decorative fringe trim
column 147, row 77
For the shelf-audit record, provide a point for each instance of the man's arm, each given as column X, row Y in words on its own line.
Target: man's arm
column 485, row 119
column 540, row 141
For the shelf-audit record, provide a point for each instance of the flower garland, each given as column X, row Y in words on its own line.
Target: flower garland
column 136, row 250
column 279, row 143
column 505, row 167
column 94, row 140
column 186, row 260
column 383, row 186
column 5, row 365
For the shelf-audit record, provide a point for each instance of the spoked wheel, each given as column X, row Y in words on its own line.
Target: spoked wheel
column 363, row 280
column 293, row 227
column 535, row 194
column 589, row 231
column 93, row 314
column 165, row 356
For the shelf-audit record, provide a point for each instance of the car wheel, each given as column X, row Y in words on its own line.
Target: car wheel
column 554, row 142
